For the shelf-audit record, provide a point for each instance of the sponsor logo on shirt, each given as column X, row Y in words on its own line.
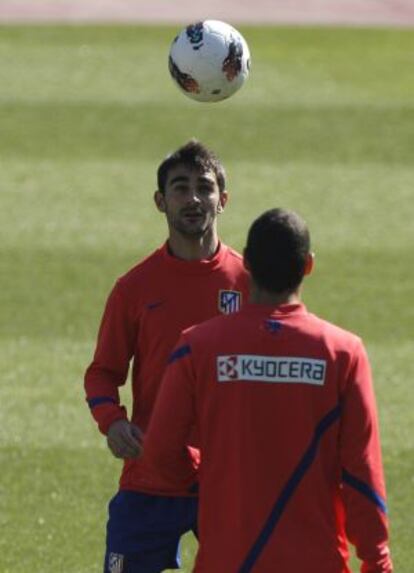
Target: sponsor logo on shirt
column 115, row 563
column 273, row 369
column 229, row 301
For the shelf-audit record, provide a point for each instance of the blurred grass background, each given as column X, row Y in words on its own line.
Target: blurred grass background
column 324, row 126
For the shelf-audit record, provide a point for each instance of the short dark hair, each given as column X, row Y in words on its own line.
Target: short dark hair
column 193, row 154
column 278, row 244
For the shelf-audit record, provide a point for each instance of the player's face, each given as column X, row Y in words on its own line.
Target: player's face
column 192, row 200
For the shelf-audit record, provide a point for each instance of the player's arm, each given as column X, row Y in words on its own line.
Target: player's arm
column 173, row 417
column 363, row 487
column 108, row 371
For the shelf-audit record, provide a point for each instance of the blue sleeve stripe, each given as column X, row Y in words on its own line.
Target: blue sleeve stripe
column 100, row 400
column 180, row 352
column 289, row 489
column 365, row 489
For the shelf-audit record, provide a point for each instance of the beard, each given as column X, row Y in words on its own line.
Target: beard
column 191, row 223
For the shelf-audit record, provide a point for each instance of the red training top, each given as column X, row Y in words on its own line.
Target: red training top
column 290, row 453
column 144, row 315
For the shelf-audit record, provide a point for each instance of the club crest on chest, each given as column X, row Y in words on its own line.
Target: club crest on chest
column 229, row 301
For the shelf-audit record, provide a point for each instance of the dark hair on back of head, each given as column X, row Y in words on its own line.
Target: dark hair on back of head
column 278, row 243
column 194, row 155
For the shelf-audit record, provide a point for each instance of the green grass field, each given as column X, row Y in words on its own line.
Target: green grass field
column 325, row 126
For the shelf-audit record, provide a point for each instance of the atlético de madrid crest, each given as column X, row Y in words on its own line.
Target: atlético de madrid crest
column 229, row 301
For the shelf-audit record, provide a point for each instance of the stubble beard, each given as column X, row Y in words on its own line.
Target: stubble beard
column 192, row 230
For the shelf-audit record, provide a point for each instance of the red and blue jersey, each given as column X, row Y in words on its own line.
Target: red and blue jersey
column 144, row 315
column 291, row 467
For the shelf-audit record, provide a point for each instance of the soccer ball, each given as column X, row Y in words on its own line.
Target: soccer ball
column 209, row 61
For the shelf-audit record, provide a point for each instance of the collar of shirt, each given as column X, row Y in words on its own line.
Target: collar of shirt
column 195, row 267
column 280, row 311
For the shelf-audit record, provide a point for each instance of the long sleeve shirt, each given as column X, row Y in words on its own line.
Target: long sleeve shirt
column 291, row 466
column 144, row 315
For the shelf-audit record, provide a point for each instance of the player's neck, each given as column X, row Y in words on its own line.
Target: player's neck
column 264, row 297
column 193, row 248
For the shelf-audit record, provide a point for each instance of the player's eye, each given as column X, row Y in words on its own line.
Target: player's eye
column 181, row 188
column 206, row 189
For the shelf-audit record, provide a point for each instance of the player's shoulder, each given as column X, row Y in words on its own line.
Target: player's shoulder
column 211, row 329
column 146, row 267
column 334, row 334
column 232, row 254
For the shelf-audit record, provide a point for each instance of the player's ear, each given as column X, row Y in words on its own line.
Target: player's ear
column 310, row 262
column 222, row 201
column 159, row 201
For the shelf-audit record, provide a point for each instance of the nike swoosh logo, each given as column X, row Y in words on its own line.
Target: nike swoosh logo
column 153, row 305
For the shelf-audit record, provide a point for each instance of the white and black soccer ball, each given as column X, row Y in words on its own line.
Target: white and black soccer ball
column 209, row 61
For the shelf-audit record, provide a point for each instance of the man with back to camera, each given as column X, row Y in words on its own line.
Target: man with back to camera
column 192, row 277
column 284, row 408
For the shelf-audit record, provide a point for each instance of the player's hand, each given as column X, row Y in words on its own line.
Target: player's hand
column 125, row 439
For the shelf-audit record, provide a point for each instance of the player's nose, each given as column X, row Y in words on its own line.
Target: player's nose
column 193, row 197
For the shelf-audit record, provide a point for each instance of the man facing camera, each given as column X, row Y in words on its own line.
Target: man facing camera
column 190, row 278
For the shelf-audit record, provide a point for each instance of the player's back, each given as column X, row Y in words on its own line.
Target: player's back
column 268, row 396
